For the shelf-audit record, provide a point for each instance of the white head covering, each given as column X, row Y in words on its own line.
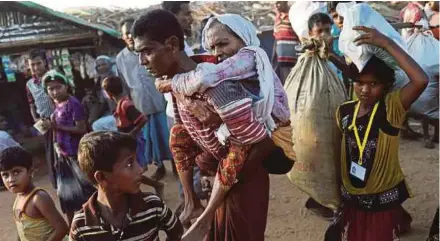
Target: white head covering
column 248, row 33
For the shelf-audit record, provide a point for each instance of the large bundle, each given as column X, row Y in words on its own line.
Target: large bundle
column 424, row 48
column 314, row 93
column 363, row 15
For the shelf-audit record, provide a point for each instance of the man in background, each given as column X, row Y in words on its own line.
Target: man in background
column 182, row 11
column 147, row 99
column 41, row 106
column 285, row 40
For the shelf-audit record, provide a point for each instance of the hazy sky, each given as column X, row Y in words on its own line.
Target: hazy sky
column 60, row 5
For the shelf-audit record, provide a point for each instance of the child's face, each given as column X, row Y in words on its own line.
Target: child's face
column 368, row 90
column 88, row 91
column 3, row 123
column 320, row 29
column 57, row 91
column 17, row 179
column 337, row 19
column 126, row 175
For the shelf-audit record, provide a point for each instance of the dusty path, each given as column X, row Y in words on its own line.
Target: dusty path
column 288, row 220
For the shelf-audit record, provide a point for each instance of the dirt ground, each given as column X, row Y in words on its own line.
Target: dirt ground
column 288, row 219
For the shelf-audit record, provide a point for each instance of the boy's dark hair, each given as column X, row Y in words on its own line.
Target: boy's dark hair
column 35, row 53
column 99, row 151
column 113, row 85
column 331, row 5
column 173, row 6
column 158, row 25
column 129, row 20
column 380, row 71
column 316, row 18
column 15, row 156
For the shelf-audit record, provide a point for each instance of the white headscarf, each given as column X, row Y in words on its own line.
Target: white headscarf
column 248, row 33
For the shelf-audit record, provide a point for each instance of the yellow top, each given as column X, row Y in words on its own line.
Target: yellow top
column 386, row 172
column 32, row 229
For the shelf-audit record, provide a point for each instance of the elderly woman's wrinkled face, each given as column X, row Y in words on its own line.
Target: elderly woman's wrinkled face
column 222, row 42
column 102, row 67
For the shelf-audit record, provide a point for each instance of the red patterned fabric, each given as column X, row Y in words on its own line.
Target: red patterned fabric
column 362, row 225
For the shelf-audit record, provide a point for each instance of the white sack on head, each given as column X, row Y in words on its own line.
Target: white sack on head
column 299, row 15
column 363, row 15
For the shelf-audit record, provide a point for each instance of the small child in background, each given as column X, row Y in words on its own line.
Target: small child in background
column 131, row 121
column 34, row 211
column 93, row 107
column 320, row 26
column 119, row 210
column 6, row 141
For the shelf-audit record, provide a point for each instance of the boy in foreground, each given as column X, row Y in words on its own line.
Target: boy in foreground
column 131, row 121
column 34, row 211
column 119, row 210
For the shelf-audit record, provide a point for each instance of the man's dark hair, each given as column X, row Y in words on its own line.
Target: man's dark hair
column 125, row 21
column 113, row 85
column 173, row 6
column 317, row 18
column 158, row 25
column 15, row 156
column 35, row 53
column 99, row 151
column 378, row 69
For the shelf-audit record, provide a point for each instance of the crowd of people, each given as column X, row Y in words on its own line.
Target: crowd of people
column 222, row 119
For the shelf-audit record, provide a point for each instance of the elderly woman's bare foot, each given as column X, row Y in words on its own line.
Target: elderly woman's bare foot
column 191, row 211
column 198, row 230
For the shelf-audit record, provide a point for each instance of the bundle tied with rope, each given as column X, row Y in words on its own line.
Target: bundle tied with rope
column 314, row 93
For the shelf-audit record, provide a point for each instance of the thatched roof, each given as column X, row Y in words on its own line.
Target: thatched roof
column 27, row 24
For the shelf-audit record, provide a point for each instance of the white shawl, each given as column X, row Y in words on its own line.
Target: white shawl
column 248, row 33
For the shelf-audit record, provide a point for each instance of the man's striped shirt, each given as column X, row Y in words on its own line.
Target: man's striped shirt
column 147, row 215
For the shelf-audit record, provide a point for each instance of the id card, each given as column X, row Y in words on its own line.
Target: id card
column 357, row 171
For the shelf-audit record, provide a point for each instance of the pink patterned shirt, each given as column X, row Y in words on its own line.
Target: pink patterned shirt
column 242, row 67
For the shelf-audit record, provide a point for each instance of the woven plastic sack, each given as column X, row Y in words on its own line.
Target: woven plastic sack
column 424, row 49
column 314, row 93
column 299, row 15
column 363, row 15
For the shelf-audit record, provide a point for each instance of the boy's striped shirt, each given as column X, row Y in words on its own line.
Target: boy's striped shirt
column 146, row 216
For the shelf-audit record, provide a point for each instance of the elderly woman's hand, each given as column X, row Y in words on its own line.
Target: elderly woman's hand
column 163, row 85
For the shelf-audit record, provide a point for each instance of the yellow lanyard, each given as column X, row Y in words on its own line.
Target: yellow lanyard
column 367, row 132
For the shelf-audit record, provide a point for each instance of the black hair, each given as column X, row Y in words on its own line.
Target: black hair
column 35, row 53
column 113, row 85
column 158, row 25
column 15, row 156
column 173, row 6
column 99, row 151
column 316, row 18
column 129, row 20
column 378, row 69
column 331, row 6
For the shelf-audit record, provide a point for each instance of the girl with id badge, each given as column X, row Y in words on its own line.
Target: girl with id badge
column 372, row 182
